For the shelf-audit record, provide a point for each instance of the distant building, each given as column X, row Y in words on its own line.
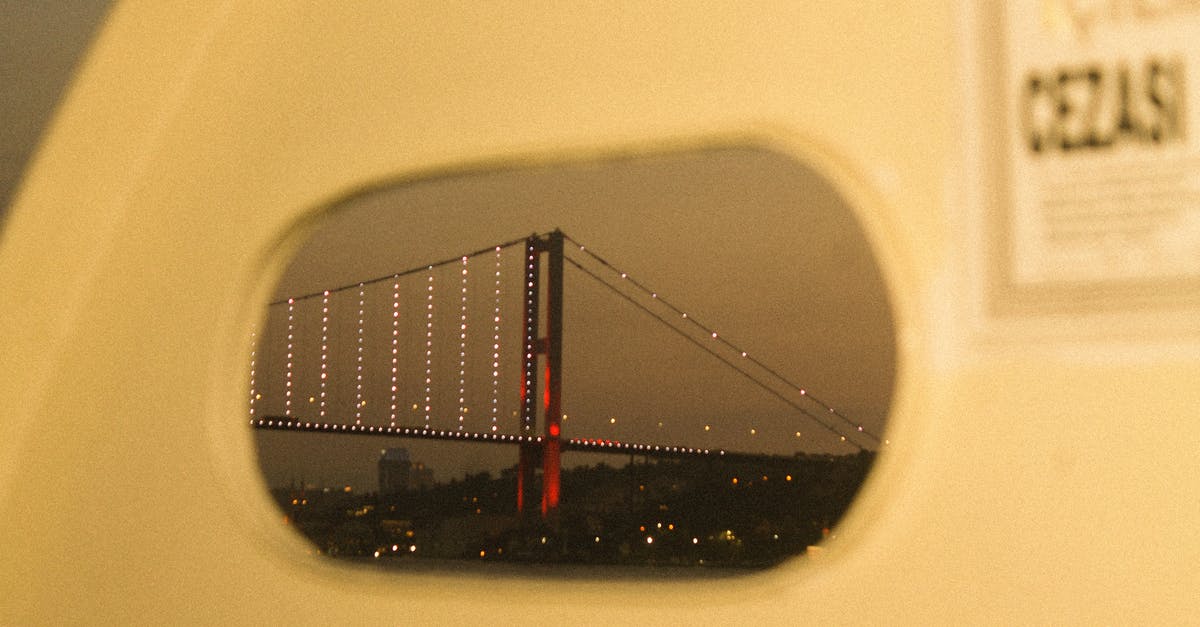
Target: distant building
column 394, row 471
column 399, row 474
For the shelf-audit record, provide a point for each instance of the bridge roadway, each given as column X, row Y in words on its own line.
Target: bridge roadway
column 583, row 445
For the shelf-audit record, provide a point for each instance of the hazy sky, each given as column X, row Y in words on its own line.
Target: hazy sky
column 752, row 244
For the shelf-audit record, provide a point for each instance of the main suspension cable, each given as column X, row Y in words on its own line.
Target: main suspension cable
column 857, row 427
column 710, row 351
column 396, row 275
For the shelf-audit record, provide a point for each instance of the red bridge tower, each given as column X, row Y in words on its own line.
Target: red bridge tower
column 549, row 347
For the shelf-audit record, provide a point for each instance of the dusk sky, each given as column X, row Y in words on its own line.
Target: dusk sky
column 752, row 244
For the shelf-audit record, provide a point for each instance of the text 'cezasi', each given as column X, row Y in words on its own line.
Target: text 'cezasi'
column 1103, row 106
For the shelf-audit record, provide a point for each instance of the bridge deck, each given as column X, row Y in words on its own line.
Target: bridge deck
column 583, row 445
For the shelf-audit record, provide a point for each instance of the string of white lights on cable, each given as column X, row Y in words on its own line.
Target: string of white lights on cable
column 826, row 425
column 712, row 334
column 358, row 376
column 291, row 327
column 395, row 346
column 462, row 348
column 360, row 400
column 429, row 348
column 324, row 385
column 496, row 347
column 326, row 294
column 253, row 364
column 531, row 322
column 397, row 275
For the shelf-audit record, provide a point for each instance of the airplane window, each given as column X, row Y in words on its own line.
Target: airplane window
column 682, row 362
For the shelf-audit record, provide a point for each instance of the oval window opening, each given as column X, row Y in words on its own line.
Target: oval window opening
column 682, row 361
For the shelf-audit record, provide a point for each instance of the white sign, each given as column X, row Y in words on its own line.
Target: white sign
column 1101, row 167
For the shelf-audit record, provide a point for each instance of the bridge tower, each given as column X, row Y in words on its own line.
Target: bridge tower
column 549, row 347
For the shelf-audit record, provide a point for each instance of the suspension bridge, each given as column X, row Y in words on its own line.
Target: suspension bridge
column 421, row 354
